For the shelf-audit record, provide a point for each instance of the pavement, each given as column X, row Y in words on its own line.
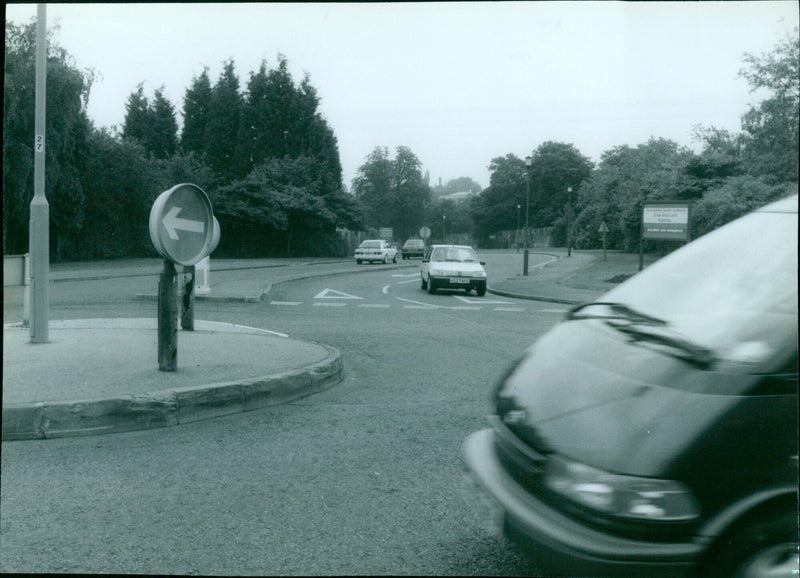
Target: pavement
column 99, row 376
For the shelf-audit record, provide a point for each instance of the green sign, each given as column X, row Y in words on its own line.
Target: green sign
column 666, row 220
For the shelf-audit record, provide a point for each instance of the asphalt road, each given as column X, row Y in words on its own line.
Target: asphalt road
column 364, row 478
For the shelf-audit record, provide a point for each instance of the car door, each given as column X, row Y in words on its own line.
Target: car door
column 424, row 267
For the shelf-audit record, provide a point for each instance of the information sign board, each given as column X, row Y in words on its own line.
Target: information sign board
column 666, row 220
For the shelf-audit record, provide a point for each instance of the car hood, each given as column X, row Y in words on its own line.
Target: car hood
column 451, row 267
column 585, row 392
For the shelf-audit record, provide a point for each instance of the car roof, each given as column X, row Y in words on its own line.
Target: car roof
column 454, row 246
column 787, row 205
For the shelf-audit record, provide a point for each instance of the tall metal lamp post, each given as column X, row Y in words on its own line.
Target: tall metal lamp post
column 569, row 221
column 516, row 235
column 444, row 228
column 528, row 163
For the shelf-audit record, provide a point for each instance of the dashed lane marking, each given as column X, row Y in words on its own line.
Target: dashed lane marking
column 290, row 303
column 330, row 304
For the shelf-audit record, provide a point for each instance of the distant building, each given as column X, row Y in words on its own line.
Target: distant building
column 458, row 198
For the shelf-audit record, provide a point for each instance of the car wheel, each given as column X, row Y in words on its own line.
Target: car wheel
column 480, row 290
column 394, row 259
column 767, row 548
column 424, row 283
column 358, row 261
column 431, row 288
column 385, row 259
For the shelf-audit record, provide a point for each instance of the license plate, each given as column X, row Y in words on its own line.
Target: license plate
column 459, row 280
column 490, row 513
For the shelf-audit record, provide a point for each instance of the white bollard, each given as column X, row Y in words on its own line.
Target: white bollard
column 201, row 276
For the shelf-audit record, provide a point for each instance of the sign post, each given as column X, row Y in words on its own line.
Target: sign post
column 603, row 230
column 184, row 231
column 664, row 220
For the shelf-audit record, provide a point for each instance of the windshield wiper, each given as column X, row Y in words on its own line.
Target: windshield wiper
column 645, row 328
column 617, row 311
column 680, row 346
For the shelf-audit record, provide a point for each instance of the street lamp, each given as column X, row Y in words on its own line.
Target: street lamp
column 516, row 235
column 444, row 228
column 569, row 221
column 528, row 163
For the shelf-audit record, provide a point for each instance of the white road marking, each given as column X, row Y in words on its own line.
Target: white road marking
column 330, row 304
column 552, row 310
column 409, row 275
column 464, row 308
column 285, row 302
column 508, row 309
column 420, row 303
column 374, row 305
column 326, row 294
column 420, row 307
column 480, row 300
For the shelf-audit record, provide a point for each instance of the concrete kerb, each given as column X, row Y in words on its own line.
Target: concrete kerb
column 169, row 407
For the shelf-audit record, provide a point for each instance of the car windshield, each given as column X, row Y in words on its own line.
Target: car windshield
column 370, row 245
column 413, row 243
column 733, row 292
column 454, row 254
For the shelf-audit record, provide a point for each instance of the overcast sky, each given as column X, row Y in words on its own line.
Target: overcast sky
column 458, row 83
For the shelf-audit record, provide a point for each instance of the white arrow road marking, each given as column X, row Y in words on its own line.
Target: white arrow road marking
column 326, row 294
column 480, row 301
column 172, row 223
column 418, row 304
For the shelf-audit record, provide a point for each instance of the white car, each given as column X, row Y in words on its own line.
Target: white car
column 452, row 267
column 376, row 250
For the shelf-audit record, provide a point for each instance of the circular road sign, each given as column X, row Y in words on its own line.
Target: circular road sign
column 424, row 232
column 182, row 224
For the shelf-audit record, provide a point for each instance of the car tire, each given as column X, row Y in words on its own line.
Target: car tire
column 480, row 290
column 765, row 548
column 358, row 261
column 394, row 259
column 385, row 259
column 431, row 288
column 423, row 283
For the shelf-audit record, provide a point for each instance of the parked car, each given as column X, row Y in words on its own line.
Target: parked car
column 376, row 250
column 452, row 267
column 413, row 248
column 655, row 430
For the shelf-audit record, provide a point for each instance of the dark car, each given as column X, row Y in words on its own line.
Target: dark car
column 413, row 248
column 656, row 430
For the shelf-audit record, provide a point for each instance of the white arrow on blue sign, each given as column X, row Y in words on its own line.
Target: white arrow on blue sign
column 182, row 224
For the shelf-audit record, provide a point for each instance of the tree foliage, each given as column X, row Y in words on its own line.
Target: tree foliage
column 393, row 192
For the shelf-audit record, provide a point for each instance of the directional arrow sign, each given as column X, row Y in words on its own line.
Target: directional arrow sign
column 182, row 225
column 172, row 223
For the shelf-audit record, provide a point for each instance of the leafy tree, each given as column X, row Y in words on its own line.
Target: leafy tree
column 394, row 193
column 554, row 168
column 138, row 122
column 771, row 128
column 373, row 186
column 411, row 194
column 67, row 127
column 196, row 111
column 163, row 142
column 624, row 180
column 736, row 197
column 222, row 132
column 496, row 207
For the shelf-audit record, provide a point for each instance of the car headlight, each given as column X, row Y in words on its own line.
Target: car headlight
column 438, row 273
column 617, row 495
column 479, row 274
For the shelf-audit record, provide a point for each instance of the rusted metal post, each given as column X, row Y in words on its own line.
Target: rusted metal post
column 187, row 316
column 168, row 318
